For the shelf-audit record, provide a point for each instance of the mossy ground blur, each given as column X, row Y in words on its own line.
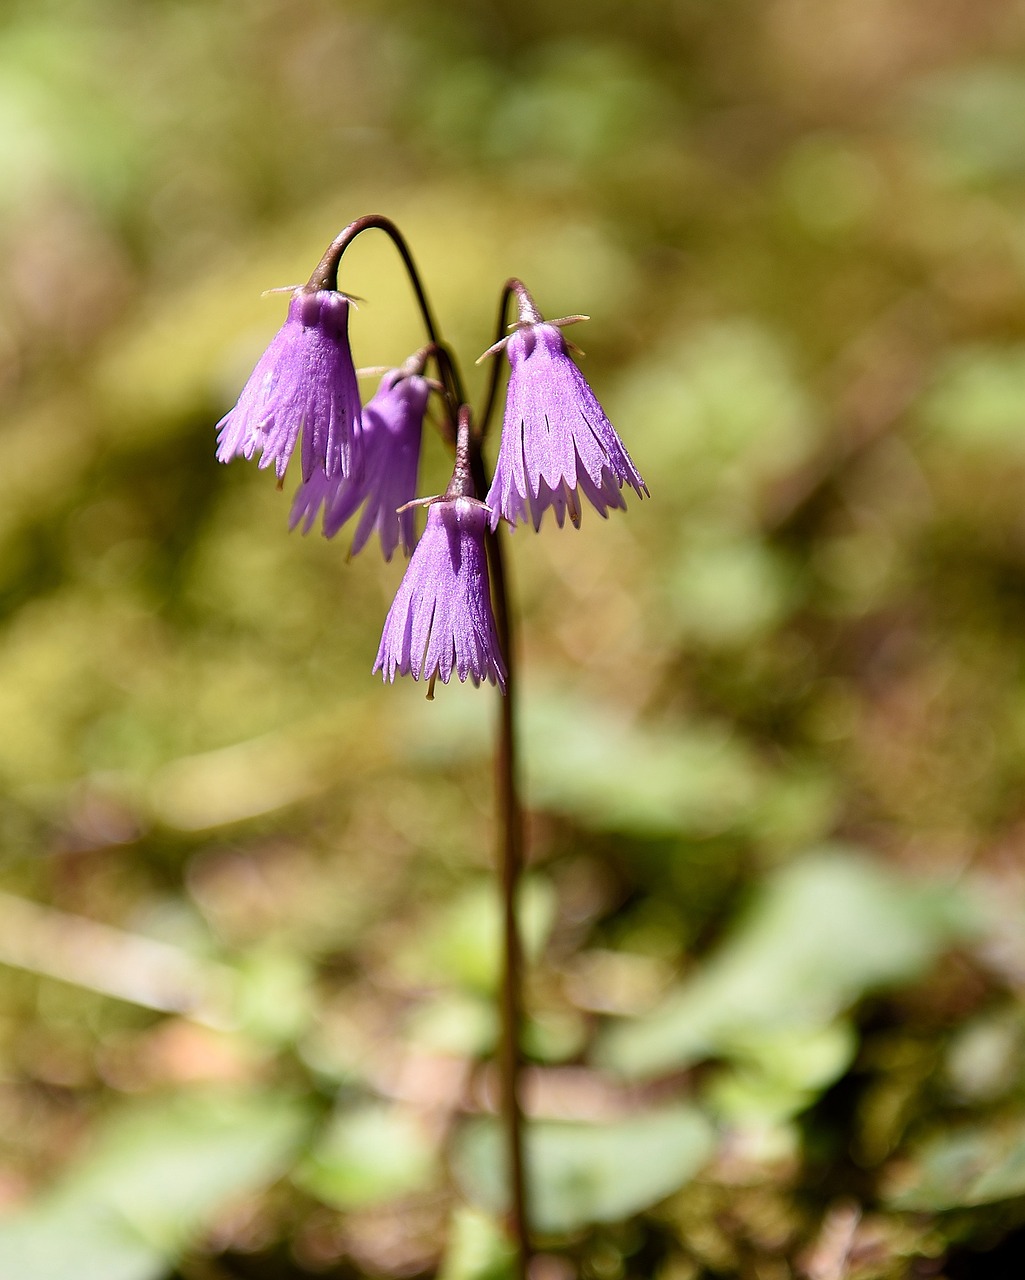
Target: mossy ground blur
column 774, row 718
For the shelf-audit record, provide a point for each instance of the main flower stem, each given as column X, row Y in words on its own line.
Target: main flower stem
column 511, row 871
column 511, row 854
column 511, row 858
column 510, row 1057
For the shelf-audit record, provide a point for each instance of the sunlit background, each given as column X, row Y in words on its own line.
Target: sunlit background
column 774, row 718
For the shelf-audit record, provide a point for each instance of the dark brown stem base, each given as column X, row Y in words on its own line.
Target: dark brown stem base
column 510, row 1058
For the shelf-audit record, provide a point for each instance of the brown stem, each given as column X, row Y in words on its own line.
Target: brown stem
column 510, row 1059
column 462, row 484
column 496, row 364
column 325, row 276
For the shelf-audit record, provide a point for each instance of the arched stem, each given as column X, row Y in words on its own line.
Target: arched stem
column 325, row 276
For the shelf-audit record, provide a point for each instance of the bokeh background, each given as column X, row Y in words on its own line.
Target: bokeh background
column 774, row 718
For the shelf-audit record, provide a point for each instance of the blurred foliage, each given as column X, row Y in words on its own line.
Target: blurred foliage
column 774, row 719
column 586, row 1173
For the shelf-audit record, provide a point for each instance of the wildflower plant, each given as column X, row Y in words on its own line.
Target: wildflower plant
column 451, row 611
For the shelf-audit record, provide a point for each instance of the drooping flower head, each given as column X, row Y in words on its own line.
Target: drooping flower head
column 391, row 434
column 303, row 388
column 441, row 619
column 556, row 440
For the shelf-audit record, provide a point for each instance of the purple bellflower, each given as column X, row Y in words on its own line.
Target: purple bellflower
column 304, row 385
column 392, row 430
column 441, row 619
column 556, row 439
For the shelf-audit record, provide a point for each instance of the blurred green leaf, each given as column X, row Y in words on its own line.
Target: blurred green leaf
column 275, row 995
column 461, row 1023
column 775, row 1075
column 464, row 944
column 607, row 772
column 369, row 1156
column 59, row 1238
column 555, row 1036
column 728, row 592
column 478, row 1248
column 799, row 809
column 830, row 185
column 587, row 1173
column 971, row 1166
column 158, row 1173
column 820, row 933
column 972, row 122
column 583, row 104
column 724, row 411
column 986, row 1054
column 976, row 399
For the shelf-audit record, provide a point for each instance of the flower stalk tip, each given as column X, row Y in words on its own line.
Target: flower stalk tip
column 461, row 485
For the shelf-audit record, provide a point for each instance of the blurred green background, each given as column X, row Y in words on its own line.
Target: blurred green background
column 774, row 718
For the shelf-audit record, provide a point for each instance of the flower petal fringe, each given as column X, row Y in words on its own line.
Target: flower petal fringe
column 441, row 620
column 392, row 430
column 556, row 439
column 303, row 388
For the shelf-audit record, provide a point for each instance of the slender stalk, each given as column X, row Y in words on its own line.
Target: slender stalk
column 496, row 365
column 510, row 1060
column 528, row 315
column 512, row 979
column 325, row 276
column 511, row 855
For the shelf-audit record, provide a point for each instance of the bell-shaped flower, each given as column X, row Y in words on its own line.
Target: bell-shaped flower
column 556, row 440
column 441, row 619
column 391, row 435
column 302, row 389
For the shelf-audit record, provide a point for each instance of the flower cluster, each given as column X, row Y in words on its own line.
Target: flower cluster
column 557, row 444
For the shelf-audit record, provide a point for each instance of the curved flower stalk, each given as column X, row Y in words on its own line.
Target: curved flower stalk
column 303, row 386
column 391, row 434
column 441, row 619
column 556, row 440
